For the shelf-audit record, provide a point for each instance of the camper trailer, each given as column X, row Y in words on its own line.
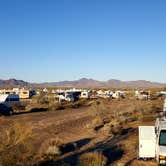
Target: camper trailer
column 86, row 94
column 26, row 94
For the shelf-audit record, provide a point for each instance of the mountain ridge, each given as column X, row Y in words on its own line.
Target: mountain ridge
column 84, row 83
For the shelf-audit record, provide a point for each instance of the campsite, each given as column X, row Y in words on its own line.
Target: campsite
column 49, row 132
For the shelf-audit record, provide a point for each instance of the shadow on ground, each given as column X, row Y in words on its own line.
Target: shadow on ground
column 109, row 148
column 33, row 110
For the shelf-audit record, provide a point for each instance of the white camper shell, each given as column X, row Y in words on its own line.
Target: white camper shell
column 152, row 141
column 147, row 141
column 9, row 99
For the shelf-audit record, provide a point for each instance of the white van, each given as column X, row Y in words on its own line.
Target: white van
column 152, row 140
column 9, row 99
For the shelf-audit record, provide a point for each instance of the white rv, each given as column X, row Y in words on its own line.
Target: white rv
column 86, row 94
column 67, row 96
column 118, row 94
column 26, row 94
column 142, row 95
column 9, row 99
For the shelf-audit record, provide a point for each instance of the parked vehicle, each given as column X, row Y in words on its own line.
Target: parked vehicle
column 66, row 96
column 142, row 95
column 118, row 94
column 152, row 140
column 9, row 99
column 86, row 94
column 26, row 94
column 5, row 110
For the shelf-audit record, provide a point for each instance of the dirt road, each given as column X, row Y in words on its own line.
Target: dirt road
column 68, row 124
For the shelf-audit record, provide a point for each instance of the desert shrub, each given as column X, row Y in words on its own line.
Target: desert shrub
column 80, row 102
column 50, row 149
column 142, row 163
column 92, row 159
column 17, row 107
column 15, row 149
column 59, row 106
column 113, row 153
column 41, row 99
column 100, row 112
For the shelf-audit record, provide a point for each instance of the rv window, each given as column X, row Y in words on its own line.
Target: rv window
column 162, row 138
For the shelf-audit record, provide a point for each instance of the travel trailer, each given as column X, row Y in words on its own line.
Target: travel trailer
column 86, row 94
column 26, row 94
column 23, row 93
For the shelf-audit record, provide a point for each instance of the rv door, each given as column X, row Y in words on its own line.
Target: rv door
column 147, row 141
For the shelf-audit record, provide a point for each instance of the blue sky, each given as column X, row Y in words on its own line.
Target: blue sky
column 53, row 40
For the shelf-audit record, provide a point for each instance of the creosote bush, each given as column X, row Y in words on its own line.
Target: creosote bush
column 15, row 149
column 100, row 112
column 50, row 149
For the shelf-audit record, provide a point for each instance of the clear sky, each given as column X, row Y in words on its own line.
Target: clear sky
column 54, row 40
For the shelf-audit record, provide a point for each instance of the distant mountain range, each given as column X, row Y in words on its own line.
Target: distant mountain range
column 13, row 83
column 84, row 83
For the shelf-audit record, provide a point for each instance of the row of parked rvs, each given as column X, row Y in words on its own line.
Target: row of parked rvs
column 23, row 93
column 76, row 94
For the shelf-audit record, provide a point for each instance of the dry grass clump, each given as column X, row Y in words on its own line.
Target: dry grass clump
column 111, row 117
column 18, row 107
column 101, row 113
column 143, row 163
column 50, row 149
column 41, row 99
column 92, row 159
column 14, row 146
